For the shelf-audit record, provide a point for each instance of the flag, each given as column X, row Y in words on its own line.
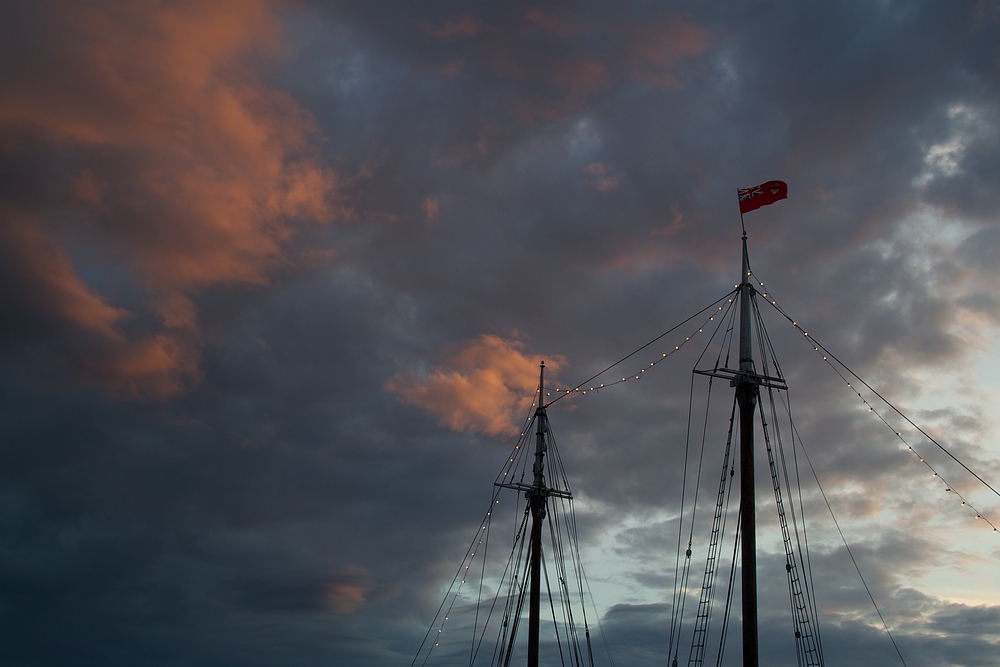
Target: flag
column 766, row 193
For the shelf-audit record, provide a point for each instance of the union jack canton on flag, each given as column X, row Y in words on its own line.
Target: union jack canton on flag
column 766, row 193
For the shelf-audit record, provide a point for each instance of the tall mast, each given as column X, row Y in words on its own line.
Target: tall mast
column 746, row 396
column 536, row 498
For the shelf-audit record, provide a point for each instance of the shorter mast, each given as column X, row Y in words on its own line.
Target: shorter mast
column 537, row 494
column 536, row 498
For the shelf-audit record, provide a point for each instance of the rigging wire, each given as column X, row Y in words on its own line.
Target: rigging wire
column 518, row 463
column 680, row 582
column 640, row 349
column 700, row 635
column 511, row 592
column 729, row 597
column 763, row 339
column 802, row 512
column 805, row 617
column 679, row 598
column 848, row 546
column 828, row 356
column 885, row 400
column 552, row 606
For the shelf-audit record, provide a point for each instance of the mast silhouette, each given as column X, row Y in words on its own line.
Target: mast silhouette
column 747, row 388
column 536, row 496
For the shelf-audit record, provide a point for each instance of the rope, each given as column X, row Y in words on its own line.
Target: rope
column 827, row 356
column 848, row 547
column 669, row 331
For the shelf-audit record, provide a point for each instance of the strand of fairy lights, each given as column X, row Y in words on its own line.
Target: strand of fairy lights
column 580, row 388
column 471, row 554
column 463, row 569
column 824, row 353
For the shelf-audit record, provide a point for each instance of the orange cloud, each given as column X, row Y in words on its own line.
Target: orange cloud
column 601, row 179
column 344, row 598
column 347, row 592
column 51, row 297
column 191, row 170
column 431, row 208
column 486, row 386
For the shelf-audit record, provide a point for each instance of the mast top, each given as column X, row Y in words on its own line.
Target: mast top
column 746, row 349
column 541, row 386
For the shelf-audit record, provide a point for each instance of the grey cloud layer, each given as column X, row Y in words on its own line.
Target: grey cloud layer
column 561, row 176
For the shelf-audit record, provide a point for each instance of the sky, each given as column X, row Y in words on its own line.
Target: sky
column 277, row 278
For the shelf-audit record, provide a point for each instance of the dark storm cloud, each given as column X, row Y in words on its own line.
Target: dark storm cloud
column 145, row 147
column 316, row 250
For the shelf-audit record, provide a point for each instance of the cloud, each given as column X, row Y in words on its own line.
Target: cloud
column 601, row 177
column 431, row 208
column 348, row 593
column 655, row 49
column 50, row 310
column 486, row 386
column 463, row 26
column 185, row 169
column 170, row 186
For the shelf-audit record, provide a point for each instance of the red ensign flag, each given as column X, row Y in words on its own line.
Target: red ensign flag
column 766, row 193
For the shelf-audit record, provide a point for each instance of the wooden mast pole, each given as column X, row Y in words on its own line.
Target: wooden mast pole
column 746, row 397
column 536, row 498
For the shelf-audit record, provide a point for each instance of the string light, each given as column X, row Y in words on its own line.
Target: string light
column 579, row 389
column 899, row 434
